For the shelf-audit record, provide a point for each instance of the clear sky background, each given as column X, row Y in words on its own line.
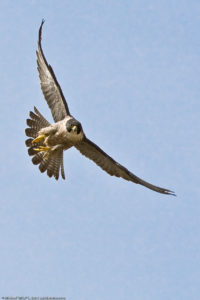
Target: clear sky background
column 130, row 71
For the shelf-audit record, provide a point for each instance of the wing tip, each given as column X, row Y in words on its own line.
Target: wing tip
column 170, row 193
column 162, row 190
column 42, row 23
column 40, row 30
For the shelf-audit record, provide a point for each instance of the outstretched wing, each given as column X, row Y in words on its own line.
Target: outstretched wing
column 93, row 152
column 49, row 84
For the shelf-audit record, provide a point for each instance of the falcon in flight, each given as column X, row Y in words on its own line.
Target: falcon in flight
column 47, row 142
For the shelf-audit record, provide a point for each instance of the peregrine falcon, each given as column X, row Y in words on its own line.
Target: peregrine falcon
column 47, row 141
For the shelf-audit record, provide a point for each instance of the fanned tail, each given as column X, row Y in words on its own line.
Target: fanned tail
column 51, row 161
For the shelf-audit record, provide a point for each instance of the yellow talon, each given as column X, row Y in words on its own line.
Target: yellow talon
column 42, row 148
column 38, row 139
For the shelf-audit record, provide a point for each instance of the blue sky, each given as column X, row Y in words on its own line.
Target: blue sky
column 130, row 73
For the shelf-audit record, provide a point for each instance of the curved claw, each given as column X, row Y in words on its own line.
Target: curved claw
column 42, row 148
column 39, row 138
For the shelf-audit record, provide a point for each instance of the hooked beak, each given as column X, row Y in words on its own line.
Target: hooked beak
column 74, row 128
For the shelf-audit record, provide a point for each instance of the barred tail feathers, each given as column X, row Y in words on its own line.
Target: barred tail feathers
column 52, row 162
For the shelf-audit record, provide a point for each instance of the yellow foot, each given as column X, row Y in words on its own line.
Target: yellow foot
column 38, row 139
column 42, row 148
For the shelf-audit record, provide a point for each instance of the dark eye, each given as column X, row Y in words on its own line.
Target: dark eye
column 69, row 129
column 78, row 129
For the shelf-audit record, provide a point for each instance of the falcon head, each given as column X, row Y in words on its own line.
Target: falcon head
column 74, row 127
